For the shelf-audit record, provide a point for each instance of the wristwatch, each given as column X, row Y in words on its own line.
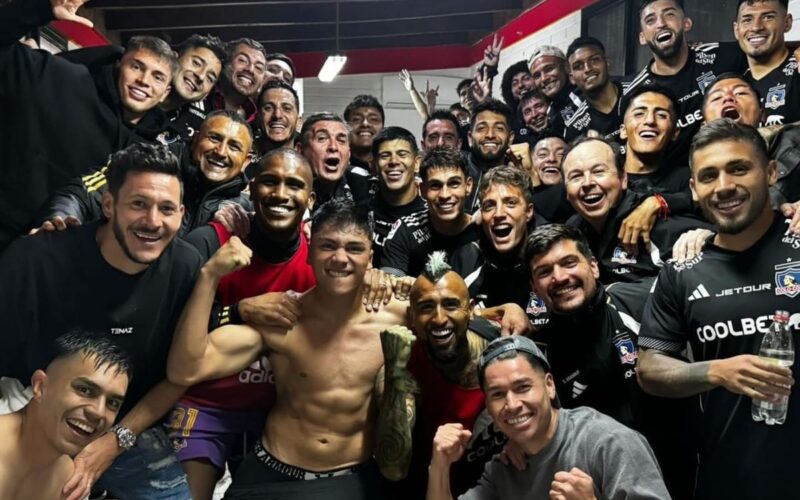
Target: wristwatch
column 125, row 437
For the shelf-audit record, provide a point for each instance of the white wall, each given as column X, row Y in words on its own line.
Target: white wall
column 794, row 9
column 560, row 33
column 334, row 96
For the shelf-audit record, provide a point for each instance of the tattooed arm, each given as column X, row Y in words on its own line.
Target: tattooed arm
column 750, row 375
column 395, row 388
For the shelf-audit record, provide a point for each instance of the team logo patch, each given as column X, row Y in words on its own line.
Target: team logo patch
column 787, row 279
column 705, row 80
column 536, row 306
column 566, row 114
column 776, row 97
column 626, row 350
column 621, row 257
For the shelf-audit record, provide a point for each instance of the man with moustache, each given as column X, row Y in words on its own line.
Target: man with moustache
column 365, row 116
column 324, row 142
column 591, row 343
column 760, row 28
column 443, row 362
column 279, row 116
column 221, row 419
column 211, row 169
column 550, row 75
column 490, row 137
column 242, row 78
column 125, row 277
column 687, row 71
column 731, row 175
column 570, row 453
column 588, row 71
column 116, row 104
column 597, row 188
column 76, row 399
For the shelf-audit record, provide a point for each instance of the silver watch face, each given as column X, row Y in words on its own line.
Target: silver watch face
column 125, row 437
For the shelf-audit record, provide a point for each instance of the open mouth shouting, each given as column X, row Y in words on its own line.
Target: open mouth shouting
column 592, row 201
column 731, row 112
column 664, row 38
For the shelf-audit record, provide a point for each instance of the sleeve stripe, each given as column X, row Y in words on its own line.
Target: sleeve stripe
column 660, row 344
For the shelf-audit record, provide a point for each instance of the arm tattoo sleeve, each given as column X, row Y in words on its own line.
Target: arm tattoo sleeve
column 662, row 375
column 396, row 411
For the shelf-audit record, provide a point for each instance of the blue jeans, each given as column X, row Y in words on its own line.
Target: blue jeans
column 147, row 471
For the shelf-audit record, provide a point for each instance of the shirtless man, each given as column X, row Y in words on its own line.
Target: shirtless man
column 75, row 400
column 334, row 373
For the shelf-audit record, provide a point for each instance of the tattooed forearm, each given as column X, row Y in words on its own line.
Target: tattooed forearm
column 396, row 411
column 662, row 375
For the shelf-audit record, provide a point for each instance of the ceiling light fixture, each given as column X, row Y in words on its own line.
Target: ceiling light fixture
column 335, row 62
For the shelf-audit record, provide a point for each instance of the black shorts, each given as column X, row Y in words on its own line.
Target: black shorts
column 263, row 477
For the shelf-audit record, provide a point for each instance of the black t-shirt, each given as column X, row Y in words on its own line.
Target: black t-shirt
column 550, row 201
column 614, row 262
column 184, row 122
column 671, row 183
column 406, row 252
column 388, row 220
column 780, row 92
column 56, row 282
column 721, row 303
column 706, row 61
column 593, row 352
column 588, row 118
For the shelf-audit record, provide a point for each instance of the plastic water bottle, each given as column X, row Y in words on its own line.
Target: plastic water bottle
column 777, row 345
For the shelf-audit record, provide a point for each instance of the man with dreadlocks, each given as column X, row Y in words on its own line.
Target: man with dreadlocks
column 444, row 364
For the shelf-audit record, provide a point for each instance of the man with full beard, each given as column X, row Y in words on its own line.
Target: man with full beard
column 444, row 364
column 490, row 137
column 721, row 302
column 687, row 71
column 126, row 277
column 242, row 77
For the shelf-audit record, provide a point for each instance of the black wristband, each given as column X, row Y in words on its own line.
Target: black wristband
column 233, row 314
